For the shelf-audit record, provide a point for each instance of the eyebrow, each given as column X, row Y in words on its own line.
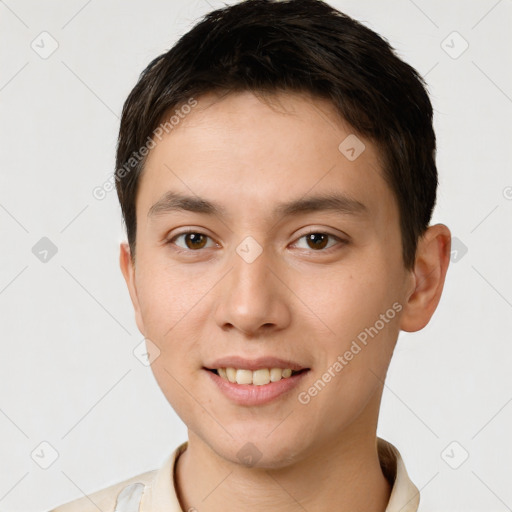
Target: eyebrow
column 338, row 202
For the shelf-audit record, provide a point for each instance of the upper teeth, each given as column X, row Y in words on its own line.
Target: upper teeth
column 257, row 377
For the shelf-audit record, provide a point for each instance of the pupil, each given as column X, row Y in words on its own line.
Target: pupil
column 194, row 238
column 317, row 245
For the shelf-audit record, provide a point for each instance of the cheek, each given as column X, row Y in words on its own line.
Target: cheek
column 165, row 297
column 176, row 387
column 360, row 307
column 172, row 305
column 363, row 314
column 353, row 298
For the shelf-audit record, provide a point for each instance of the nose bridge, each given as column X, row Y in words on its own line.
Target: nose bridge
column 251, row 297
column 250, row 280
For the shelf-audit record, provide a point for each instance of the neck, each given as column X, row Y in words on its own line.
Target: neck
column 344, row 470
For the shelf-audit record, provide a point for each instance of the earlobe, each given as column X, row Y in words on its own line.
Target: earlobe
column 128, row 271
column 431, row 265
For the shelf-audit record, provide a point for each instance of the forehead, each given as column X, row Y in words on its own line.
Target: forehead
column 240, row 152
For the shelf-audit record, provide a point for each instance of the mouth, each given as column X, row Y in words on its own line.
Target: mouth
column 256, row 381
column 258, row 386
column 259, row 377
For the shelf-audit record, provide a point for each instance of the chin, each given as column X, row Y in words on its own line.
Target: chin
column 260, row 451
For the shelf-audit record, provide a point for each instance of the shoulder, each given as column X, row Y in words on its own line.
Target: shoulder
column 150, row 491
column 106, row 499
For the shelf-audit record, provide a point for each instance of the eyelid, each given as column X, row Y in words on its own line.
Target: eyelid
column 322, row 231
column 325, row 231
column 341, row 240
column 170, row 240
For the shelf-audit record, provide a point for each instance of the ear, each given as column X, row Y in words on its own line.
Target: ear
column 128, row 269
column 430, row 267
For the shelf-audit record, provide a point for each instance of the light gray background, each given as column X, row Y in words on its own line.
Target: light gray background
column 68, row 373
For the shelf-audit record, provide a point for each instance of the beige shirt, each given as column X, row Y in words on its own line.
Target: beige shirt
column 154, row 491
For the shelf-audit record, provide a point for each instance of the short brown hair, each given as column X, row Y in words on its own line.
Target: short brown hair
column 303, row 46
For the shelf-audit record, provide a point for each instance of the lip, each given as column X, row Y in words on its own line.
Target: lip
column 254, row 364
column 250, row 394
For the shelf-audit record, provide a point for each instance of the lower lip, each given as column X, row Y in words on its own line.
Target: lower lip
column 250, row 394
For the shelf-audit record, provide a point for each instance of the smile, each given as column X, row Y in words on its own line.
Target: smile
column 251, row 388
column 258, row 377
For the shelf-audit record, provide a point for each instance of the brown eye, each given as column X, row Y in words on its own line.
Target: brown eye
column 193, row 241
column 317, row 240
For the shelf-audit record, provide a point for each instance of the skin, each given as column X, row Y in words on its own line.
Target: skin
column 295, row 301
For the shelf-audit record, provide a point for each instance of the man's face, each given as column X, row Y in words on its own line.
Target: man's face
column 257, row 281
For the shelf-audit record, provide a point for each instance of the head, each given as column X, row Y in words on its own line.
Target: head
column 298, row 151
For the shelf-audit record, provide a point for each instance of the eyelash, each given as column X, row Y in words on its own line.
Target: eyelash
column 180, row 250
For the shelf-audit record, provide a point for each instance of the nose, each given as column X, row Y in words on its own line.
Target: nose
column 253, row 298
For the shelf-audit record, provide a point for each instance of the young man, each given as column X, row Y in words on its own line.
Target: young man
column 276, row 174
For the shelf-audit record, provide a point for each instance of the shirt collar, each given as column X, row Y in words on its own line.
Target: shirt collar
column 405, row 497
